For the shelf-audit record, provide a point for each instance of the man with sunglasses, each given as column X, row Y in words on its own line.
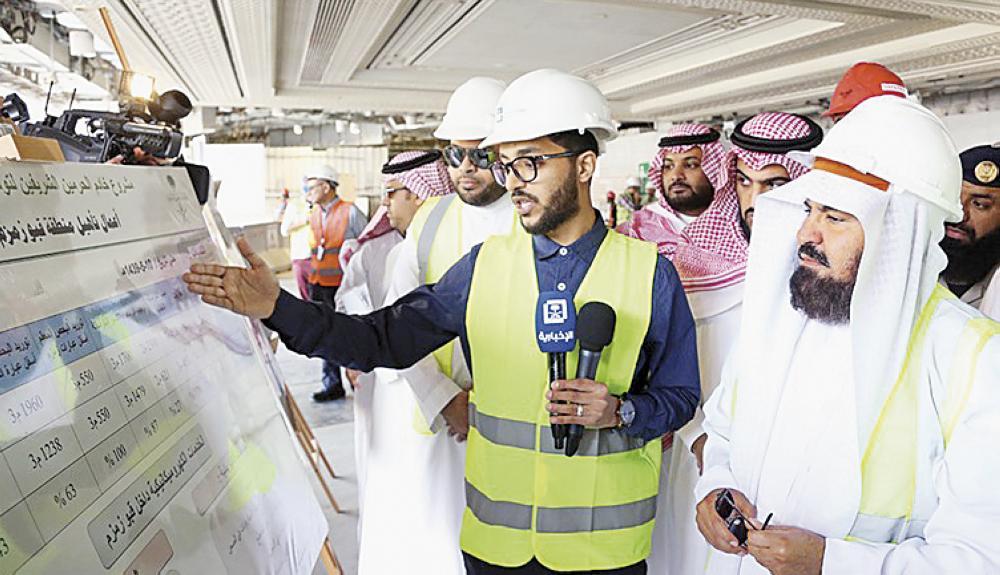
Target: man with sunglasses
column 530, row 509
column 445, row 229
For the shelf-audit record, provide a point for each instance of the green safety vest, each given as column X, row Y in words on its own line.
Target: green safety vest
column 525, row 499
column 889, row 466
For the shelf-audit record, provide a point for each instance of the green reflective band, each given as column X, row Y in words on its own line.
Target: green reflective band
column 501, row 513
column 589, row 519
column 596, row 442
column 502, row 431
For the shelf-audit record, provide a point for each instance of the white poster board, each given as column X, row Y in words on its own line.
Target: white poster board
column 139, row 431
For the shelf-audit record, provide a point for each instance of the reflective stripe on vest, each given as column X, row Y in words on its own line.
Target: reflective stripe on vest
column 562, row 519
column 593, row 511
column 522, row 435
column 889, row 465
column 327, row 271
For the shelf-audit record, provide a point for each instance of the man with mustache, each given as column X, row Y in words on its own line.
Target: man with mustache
column 854, row 428
column 685, row 173
column 711, row 260
column 443, row 231
column 973, row 245
column 530, row 508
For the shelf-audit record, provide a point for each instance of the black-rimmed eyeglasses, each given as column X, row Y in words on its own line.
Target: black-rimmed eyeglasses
column 481, row 159
column 525, row 168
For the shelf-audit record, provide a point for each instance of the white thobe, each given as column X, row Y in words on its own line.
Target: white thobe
column 432, row 388
column 363, row 290
column 413, row 495
column 984, row 295
column 678, row 547
column 807, row 465
column 990, row 306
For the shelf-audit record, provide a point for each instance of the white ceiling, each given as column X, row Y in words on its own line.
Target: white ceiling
column 655, row 59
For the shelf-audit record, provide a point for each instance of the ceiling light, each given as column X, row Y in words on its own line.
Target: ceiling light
column 297, row 129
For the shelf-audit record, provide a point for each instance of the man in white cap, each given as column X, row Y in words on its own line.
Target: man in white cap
column 530, row 508
column 410, row 492
column 629, row 202
column 444, row 231
column 331, row 223
column 710, row 256
column 855, row 427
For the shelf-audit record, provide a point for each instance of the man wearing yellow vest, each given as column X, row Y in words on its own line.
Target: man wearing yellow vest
column 530, row 508
column 332, row 221
column 855, row 427
column 443, row 231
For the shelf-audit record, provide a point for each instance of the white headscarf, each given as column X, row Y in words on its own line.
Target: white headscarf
column 896, row 275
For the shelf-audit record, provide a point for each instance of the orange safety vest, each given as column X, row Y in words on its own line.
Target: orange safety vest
column 325, row 267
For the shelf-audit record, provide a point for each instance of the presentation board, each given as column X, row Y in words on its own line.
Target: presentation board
column 140, row 432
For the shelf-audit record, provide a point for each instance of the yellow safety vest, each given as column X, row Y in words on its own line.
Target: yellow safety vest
column 437, row 250
column 890, row 462
column 525, row 499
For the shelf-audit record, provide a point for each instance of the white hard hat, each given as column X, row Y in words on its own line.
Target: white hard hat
column 323, row 172
column 902, row 142
column 470, row 110
column 547, row 102
column 633, row 182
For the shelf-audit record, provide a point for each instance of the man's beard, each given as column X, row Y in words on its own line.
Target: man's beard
column 697, row 201
column 969, row 263
column 824, row 299
column 480, row 197
column 562, row 207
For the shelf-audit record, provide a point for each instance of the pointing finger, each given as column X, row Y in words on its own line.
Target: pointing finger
column 255, row 260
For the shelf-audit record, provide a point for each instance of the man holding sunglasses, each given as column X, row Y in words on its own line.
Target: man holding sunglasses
column 445, row 229
column 530, row 509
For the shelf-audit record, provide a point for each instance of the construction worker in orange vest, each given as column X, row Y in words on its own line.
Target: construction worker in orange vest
column 331, row 222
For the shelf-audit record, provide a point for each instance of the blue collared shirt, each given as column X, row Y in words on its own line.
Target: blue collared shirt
column 665, row 389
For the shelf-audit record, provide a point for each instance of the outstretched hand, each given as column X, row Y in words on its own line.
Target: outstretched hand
column 249, row 291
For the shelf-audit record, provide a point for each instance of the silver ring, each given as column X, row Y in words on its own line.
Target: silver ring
column 579, row 410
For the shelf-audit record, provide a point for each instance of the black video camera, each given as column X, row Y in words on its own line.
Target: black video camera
column 95, row 137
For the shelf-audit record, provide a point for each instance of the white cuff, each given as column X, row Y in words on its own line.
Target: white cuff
column 851, row 557
column 692, row 430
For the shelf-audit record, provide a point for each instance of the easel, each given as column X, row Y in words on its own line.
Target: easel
column 329, row 559
column 310, row 445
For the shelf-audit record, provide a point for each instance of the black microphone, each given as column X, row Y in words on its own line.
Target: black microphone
column 595, row 326
column 555, row 322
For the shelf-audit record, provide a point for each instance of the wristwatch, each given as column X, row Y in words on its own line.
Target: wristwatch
column 626, row 412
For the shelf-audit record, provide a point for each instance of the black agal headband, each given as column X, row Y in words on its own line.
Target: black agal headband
column 691, row 140
column 428, row 157
column 772, row 146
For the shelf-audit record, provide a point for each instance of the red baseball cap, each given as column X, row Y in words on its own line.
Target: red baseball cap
column 862, row 81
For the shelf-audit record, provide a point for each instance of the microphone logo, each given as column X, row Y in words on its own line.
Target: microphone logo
column 555, row 312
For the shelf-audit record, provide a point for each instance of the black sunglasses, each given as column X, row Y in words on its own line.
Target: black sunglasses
column 481, row 159
column 736, row 523
column 525, row 167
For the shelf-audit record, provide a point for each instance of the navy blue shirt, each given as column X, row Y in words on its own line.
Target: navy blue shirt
column 665, row 389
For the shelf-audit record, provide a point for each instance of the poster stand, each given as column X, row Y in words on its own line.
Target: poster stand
column 310, row 445
column 329, row 559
